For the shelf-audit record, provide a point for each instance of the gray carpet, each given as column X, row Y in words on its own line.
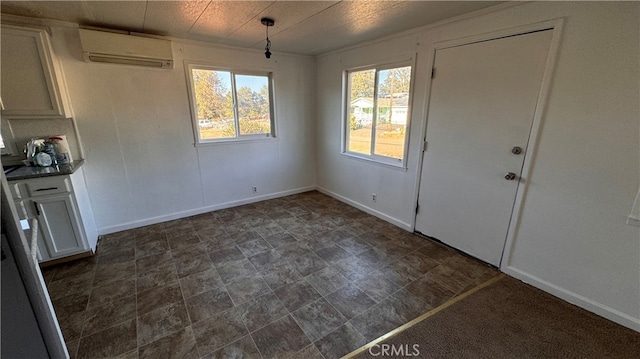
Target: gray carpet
column 510, row 319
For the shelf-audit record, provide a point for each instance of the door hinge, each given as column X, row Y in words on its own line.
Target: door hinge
column 417, row 208
column 433, row 72
column 424, row 146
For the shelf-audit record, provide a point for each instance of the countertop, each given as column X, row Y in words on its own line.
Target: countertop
column 37, row 172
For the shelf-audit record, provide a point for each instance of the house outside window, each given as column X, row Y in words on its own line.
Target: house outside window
column 230, row 105
column 377, row 112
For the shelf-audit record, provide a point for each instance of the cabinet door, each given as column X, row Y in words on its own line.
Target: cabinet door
column 58, row 219
column 30, row 85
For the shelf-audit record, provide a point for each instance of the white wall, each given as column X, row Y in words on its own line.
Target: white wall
column 141, row 163
column 353, row 179
column 571, row 237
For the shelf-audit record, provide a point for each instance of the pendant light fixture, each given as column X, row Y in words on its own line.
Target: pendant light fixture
column 267, row 48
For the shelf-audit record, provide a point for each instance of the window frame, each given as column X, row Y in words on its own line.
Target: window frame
column 346, row 112
column 190, row 66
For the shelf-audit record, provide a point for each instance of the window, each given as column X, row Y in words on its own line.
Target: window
column 230, row 105
column 377, row 113
column 7, row 145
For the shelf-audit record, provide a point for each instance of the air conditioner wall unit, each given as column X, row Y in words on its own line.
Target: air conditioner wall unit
column 108, row 47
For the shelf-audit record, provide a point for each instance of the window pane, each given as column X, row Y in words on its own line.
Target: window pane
column 392, row 110
column 253, row 104
column 214, row 104
column 361, row 87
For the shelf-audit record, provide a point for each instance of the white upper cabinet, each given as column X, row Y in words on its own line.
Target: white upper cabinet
column 32, row 80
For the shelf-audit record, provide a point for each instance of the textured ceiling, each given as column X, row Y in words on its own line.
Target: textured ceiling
column 301, row 27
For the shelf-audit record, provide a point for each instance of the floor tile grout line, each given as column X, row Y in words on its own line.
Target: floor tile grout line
column 363, row 292
column 86, row 309
column 184, row 301
column 82, row 336
column 271, row 322
column 135, row 271
column 110, row 325
column 84, row 314
column 255, row 345
column 250, row 336
column 303, row 332
column 164, row 306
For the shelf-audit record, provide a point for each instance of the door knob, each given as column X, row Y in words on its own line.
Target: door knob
column 510, row 176
column 516, row 150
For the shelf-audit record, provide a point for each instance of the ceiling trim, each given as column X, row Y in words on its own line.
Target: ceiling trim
column 35, row 21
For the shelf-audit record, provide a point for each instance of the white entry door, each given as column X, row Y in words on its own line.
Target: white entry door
column 483, row 99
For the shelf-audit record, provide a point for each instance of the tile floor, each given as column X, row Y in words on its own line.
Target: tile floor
column 304, row 276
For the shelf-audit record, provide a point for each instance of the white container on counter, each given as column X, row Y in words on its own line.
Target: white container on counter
column 62, row 147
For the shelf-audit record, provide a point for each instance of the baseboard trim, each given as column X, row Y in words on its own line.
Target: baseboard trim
column 576, row 299
column 70, row 258
column 371, row 211
column 196, row 211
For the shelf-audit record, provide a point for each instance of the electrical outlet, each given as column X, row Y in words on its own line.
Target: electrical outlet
column 254, row 189
column 374, row 197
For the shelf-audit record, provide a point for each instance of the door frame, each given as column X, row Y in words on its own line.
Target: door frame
column 554, row 25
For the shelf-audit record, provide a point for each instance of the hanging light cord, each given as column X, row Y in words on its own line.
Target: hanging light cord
column 268, row 46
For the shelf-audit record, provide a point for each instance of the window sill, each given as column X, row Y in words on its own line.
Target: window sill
column 232, row 141
column 390, row 164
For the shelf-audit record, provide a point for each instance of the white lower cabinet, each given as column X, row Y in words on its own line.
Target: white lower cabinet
column 59, row 225
column 65, row 226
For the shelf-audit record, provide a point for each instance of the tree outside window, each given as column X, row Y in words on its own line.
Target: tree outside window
column 231, row 105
